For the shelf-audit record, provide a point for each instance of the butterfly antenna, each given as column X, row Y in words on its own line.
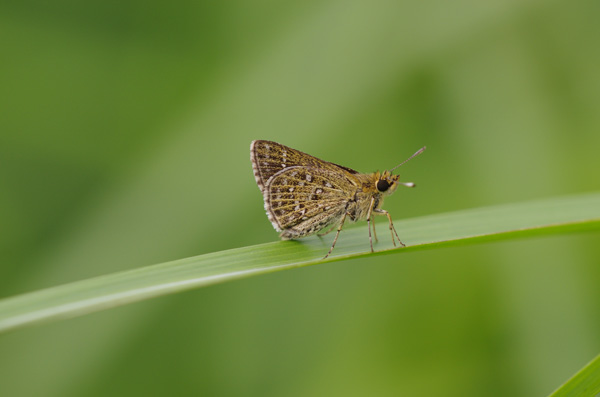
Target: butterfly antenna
column 411, row 157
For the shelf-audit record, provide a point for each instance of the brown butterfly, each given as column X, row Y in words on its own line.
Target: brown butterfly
column 304, row 195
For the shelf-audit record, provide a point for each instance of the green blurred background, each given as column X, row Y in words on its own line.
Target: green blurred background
column 124, row 141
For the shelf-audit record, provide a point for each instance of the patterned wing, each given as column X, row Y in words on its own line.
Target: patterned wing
column 268, row 158
column 301, row 201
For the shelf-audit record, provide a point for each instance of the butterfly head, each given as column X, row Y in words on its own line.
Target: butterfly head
column 387, row 183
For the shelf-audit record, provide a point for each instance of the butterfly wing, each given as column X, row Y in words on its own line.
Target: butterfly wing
column 301, row 200
column 269, row 158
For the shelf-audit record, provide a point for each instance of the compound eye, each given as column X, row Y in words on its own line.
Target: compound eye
column 383, row 185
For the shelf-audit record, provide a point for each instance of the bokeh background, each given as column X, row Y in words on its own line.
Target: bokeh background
column 124, row 141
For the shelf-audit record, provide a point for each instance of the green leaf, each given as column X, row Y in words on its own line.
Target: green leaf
column 556, row 215
column 586, row 382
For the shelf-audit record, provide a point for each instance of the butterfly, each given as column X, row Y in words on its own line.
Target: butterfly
column 304, row 195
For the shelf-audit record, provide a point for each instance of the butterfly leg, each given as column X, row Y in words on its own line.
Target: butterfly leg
column 392, row 228
column 337, row 234
column 327, row 232
column 374, row 232
column 369, row 213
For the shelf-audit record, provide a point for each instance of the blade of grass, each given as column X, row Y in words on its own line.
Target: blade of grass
column 586, row 382
column 556, row 215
